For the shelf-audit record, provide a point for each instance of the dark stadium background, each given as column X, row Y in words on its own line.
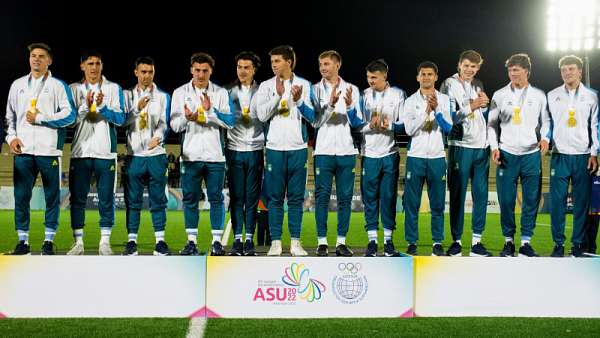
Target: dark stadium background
column 404, row 33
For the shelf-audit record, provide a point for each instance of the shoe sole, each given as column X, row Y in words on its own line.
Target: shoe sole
column 250, row 254
column 434, row 255
column 298, row 254
column 455, row 255
column 525, row 256
column 370, row 255
column 156, row 253
column 472, row 254
column 340, row 255
column 323, row 254
column 131, row 254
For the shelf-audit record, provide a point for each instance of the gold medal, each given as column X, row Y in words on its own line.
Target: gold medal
column 201, row 116
column 283, row 109
column 33, row 105
column 472, row 115
column 516, row 118
column 246, row 115
column 143, row 120
column 93, row 115
column 572, row 121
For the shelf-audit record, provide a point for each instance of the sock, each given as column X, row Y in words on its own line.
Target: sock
column 341, row 240
column 216, row 235
column 525, row 240
column 476, row 238
column 132, row 237
column 372, row 234
column 105, row 235
column 459, row 242
column 436, row 243
column 237, row 237
column 23, row 236
column 322, row 240
column 49, row 234
column 159, row 235
column 78, row 234
column 508, row 239
column 249, row 237
column 192, row 234
column 387, row 234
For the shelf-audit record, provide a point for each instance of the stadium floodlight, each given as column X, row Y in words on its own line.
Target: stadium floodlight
column 573, row 25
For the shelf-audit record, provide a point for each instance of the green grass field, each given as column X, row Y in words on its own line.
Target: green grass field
column 175, row 234
column 374, row 327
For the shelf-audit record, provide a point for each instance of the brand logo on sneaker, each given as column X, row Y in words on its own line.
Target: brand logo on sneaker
column 293, row 287
column 349, row 286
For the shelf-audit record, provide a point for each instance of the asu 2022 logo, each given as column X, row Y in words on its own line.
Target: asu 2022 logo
column 296, row 285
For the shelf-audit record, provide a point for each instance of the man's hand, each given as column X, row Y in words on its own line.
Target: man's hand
column 99, row 98
column 15, row 146
column 432, row 103
column 543, row 144
column 206, row 104
column 592, row 164
column 496, row 156
column 296, row 93
column 335, row 95
column 155, row 141
column 143, row 102
column 348, row 97
column 374, row 124
column 31, row 115
column 189, row 115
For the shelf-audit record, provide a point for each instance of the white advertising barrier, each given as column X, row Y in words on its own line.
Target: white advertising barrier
column 507, row 287
column 293, row 287
column 93, row 286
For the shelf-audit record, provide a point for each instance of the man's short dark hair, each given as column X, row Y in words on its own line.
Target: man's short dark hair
column 202, row 58
column 40, row 45
column 522, row 60
column 286, row 52
column 378, row 65
column 570, row 60
column 427, row 64
column 472, row 56
column 86, row 54
column 144, row 60
column 250, row 56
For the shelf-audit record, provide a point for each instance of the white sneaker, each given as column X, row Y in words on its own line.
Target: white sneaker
column 76, row 250
column 104, row 249
column 296, row 248
column 275, row 249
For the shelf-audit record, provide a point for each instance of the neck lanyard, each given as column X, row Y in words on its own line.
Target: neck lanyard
column 40, row 86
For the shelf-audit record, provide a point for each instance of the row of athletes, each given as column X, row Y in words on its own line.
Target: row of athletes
column 514, row 130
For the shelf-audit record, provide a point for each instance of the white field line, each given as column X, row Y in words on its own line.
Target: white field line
column 197, row 327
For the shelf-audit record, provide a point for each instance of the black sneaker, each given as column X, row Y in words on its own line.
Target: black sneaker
column 577, row 251
column 130, row 249
column 389, row 250
column 47, row 248
column 455, row 250
column 438, row 250
column 558, row 251
column 22, row 249
column 217, row 249
column 237, row 248
column 412, row 249
column 478, row 250
column 371, row 249
column 508, row 250
column 343, row 250
column 322, row 250
column 161, row 249
column 249, row 248
column 526, row 250
column 190, row 249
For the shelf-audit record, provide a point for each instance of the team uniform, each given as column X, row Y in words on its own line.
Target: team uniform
column 203, row 156
column 335, row 156
column 468, row 158
column 42, row 141
column 245, row 163
column 517, row 121
column 94, row 152
column 380, row 159
column 426, row 162
column 286, row 151
column 144, row 166
column 574, row 115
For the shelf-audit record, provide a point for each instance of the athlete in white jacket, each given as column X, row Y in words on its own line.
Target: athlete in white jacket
column 39, row 107
column 198, row 111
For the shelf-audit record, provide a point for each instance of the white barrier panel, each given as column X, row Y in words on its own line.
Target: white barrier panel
column 93, row 286
column 292, row 287
column 512, row 287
